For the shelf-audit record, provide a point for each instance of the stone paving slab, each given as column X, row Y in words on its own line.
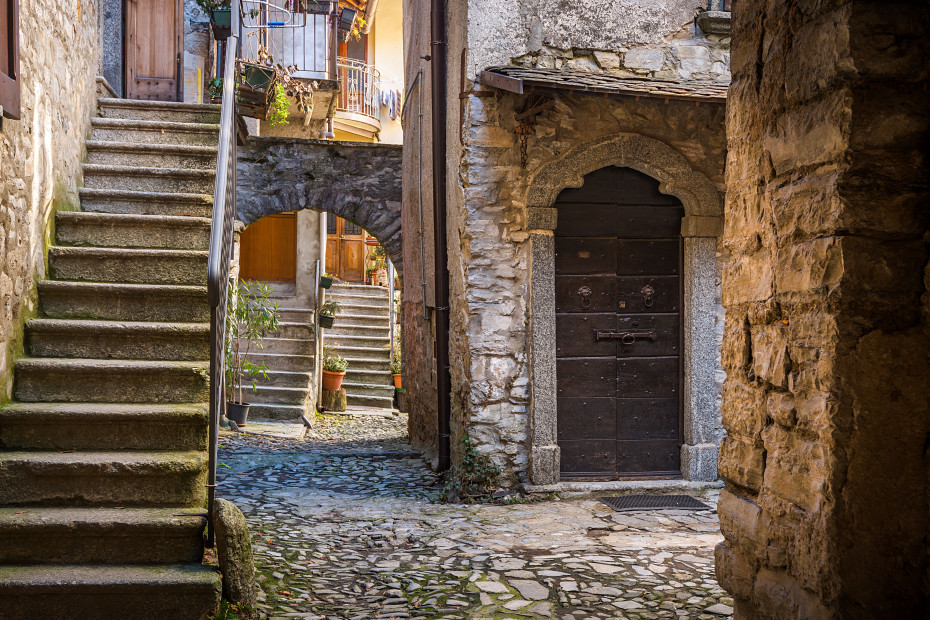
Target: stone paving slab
column 345, row 526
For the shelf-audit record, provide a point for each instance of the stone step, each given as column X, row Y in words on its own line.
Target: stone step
column 101, row 152
column 270, row 412
column 364, row 310
column 117, row 230
column 276, row 395
column 367, row 353
column 363, row 320
column 154, row 132
column 127, row 340
column 122, row 302
column 101, row 535
column 128, row 265
column 367, row 389
column 190, row 591
column 372, row 364
column 103, row 426
column 289, row 346
column 289, row 363
column 297, row 315
column 158, row 110
column 353, row 340
column 112, row 381
column 356, row 400
column 141, row 179
column 359, row 300
column 282, row 378
column 369, row 376
column 119, row 478
column 300, row 331
column 146, row 203
column 341, row 328
column 360, row 289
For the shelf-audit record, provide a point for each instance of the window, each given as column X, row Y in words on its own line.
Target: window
column 9, row 58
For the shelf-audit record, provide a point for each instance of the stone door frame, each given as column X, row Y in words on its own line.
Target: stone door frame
column 700, row 227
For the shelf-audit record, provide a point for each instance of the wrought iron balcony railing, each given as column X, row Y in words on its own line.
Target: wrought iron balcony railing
column 358, row 87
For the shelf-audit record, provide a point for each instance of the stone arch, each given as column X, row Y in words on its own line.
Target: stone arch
column 358, row 182
column 702, row 224
column 628, row 150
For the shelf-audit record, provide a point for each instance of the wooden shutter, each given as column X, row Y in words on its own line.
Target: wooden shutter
column 9, row 58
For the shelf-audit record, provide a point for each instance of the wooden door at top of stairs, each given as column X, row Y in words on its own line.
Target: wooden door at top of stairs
column 618, row 252
column 154, row 49
column 268, row 249
column 345, row 249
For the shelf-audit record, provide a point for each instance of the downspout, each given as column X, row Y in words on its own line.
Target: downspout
column 439, row 50
column 369, row 16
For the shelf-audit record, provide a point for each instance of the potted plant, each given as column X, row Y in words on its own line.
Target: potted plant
column 395, row 365
column 369, row 240
column 255, row 86
column 220, row 17
column 334, row 370
column 278, row 106
column 215, row 89
column 328, row 312
column 251, row 316
column 326, row 280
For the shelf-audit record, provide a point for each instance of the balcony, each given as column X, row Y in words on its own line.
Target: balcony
column 358, row 106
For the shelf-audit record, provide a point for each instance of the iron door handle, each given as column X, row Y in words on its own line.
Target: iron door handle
column 624, row 337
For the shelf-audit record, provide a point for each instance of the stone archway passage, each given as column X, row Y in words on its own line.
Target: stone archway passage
column 357, row 181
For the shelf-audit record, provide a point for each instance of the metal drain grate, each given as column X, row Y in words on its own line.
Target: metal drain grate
column 654, row 502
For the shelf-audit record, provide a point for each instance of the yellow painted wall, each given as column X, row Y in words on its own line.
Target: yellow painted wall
column 388, row 35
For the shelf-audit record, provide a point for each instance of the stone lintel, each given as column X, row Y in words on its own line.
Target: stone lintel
column 714, row 22
column 701, row 226
column 541, row 218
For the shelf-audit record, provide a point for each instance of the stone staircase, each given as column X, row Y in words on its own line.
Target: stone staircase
column 103, row 449
column 288, row 354
column 362, row 335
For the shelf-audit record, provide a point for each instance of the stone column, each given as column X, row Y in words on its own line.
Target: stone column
column 112, row 43
column 701, row 415
column 827, row 336
column 544, row 466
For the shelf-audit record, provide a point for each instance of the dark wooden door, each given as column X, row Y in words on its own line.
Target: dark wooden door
column 154, row 49
column 345, row 249
column 268, row 249
column 618, row 292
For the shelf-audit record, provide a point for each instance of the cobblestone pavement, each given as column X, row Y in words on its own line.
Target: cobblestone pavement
column 344, row 526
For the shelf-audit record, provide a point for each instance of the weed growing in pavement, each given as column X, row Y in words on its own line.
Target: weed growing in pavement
column 472, row 481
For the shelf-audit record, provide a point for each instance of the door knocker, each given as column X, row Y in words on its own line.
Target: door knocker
column 585, row 294
column 647, row 293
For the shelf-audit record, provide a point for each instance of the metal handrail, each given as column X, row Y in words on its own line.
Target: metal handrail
column 221, row 246
column 358, row 87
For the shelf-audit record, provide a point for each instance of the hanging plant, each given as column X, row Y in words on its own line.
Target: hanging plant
column 278, row 106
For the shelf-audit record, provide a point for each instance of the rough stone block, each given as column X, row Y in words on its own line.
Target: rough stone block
column 780, row 406
column 795, row 468
column 742, row 463
column 607, row 60
column 781, row 596
column 770, row 361
column 809, row 266
column 644, row 59
column 699, row 463
column 734, row 571
column 234, row 549
column 748, row 278
column 742, row 524
column 744, row 412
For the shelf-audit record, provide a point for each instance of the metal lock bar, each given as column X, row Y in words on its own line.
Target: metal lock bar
column 624, row 337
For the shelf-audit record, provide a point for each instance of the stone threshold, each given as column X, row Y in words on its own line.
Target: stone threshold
column 623, row 486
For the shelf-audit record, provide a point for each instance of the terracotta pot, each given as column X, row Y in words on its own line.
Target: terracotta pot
column 397, row 381
column 371, row 241
column 332, row 380
column 237, row 412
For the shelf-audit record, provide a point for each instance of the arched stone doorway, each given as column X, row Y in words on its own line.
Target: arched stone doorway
column 701, row 225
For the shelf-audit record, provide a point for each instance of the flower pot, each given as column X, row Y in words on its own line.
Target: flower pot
column 332, row 380
column 221, row 23
column 327, row 320
column 371, row 241
column 254, row 89
column 397, row 380
column 237, row 412
column 326, row 282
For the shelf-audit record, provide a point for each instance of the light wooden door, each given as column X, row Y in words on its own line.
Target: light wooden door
column 154, row 49
column 268, row 249
column 345, row 249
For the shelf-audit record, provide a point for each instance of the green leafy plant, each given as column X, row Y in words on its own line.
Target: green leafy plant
column 333, row 362
column 278, row 106
column 331, row 308
column 473, row 480
column 395, row 358
column 215, row 87
column 251, row 316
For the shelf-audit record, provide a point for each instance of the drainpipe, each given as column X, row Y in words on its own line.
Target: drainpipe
column 439, row 49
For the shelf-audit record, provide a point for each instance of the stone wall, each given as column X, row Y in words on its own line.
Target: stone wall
column 41, row 155
column 826, row 401
column 489, row 248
